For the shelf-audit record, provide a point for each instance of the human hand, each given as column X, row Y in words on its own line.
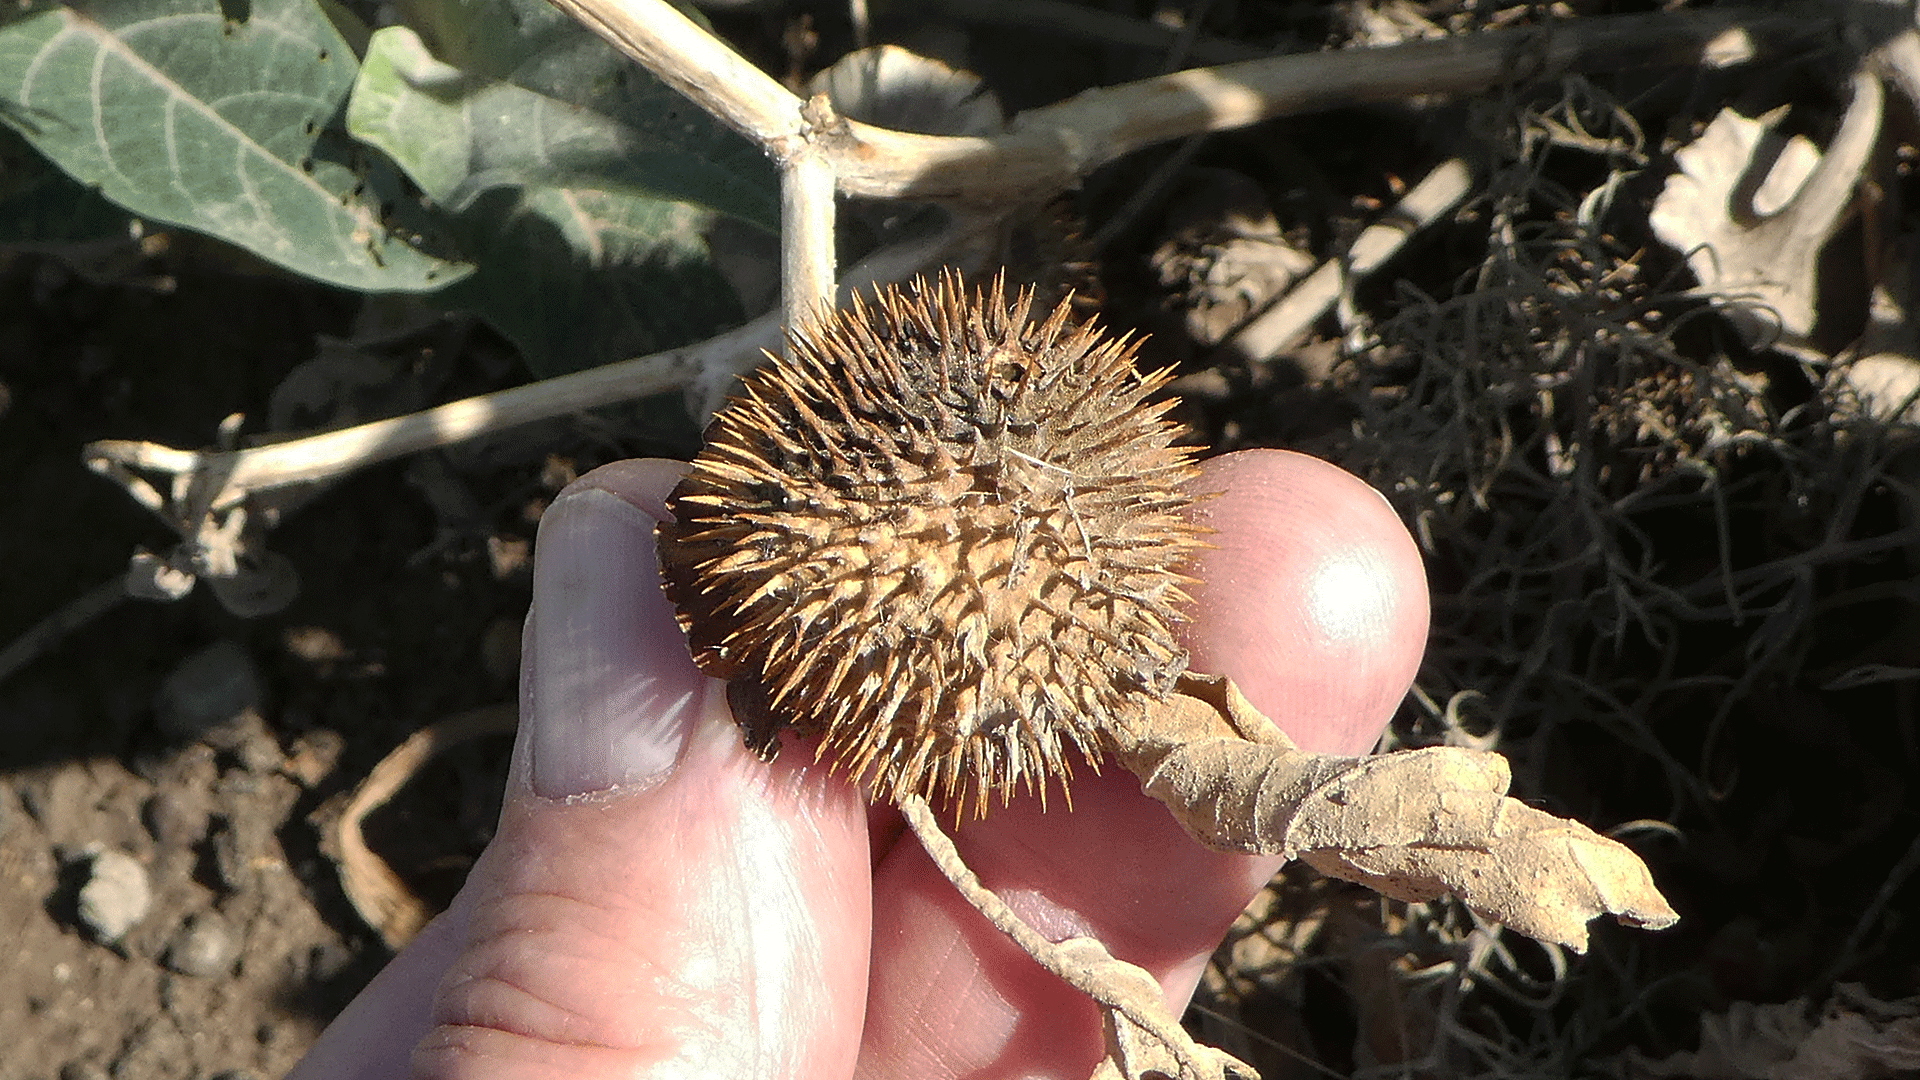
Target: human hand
column 659, row 902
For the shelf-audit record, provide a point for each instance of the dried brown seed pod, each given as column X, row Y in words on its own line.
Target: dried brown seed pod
column 944, row 534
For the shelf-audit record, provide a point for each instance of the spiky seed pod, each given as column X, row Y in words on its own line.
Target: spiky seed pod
column 945, row 535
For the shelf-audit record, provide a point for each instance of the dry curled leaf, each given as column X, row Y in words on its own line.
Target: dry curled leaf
column 379, row 895
column 897, row 88
column 1752, row 211
column 1411, row 825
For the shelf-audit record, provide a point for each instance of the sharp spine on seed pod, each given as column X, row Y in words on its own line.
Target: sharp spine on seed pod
column 944, row 535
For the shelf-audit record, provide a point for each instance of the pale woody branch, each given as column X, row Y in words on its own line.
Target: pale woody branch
column 697, row 64
column 318, row 457
column 224, row 479
column 722, row 82
column 1047, row 149
column 1044, row 151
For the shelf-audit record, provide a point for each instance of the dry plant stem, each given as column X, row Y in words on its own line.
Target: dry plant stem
column 1047, row 149
column 806, row 228
column 1288, row 320
column 231, row 475
column 1126, row 993
column 74, row 614
column 380, row 896
column 946, row 857
column 220, row 480
column 723, row 83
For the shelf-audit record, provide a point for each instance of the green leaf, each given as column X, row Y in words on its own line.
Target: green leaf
column 577, row 278
column 565, row 113
column 39, row 204
column 585, row 186
column 218, row 116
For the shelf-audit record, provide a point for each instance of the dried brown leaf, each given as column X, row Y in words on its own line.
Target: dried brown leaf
column 1411, row 825
column 1758, row 238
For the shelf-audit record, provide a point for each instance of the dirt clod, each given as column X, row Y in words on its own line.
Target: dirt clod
column 205, row 946
column 116, row 896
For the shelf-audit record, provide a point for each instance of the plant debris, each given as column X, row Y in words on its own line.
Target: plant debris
column 1411, row 825
column 1754, row 242
column 949, row 539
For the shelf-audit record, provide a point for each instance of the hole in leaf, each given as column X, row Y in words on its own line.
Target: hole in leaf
column 235, row 11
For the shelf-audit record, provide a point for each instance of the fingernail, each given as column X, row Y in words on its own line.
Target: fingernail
column 609, row 694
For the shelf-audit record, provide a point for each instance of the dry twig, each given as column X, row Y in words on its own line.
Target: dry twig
column 381, row 896
column 1043, row 151
column 1294, row 314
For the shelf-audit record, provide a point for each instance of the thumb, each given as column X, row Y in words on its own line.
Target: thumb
column 656, row 900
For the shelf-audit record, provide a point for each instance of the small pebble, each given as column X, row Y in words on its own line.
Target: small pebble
column 255, row 747
column 509, row 556
column 205, row 946
column 313, row 756
column 116, row 895
column 315, row 644
column 242, row 848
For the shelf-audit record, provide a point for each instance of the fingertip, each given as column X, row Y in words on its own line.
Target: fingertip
column 608, row 691
column 1312, row 597
column 644, row 482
